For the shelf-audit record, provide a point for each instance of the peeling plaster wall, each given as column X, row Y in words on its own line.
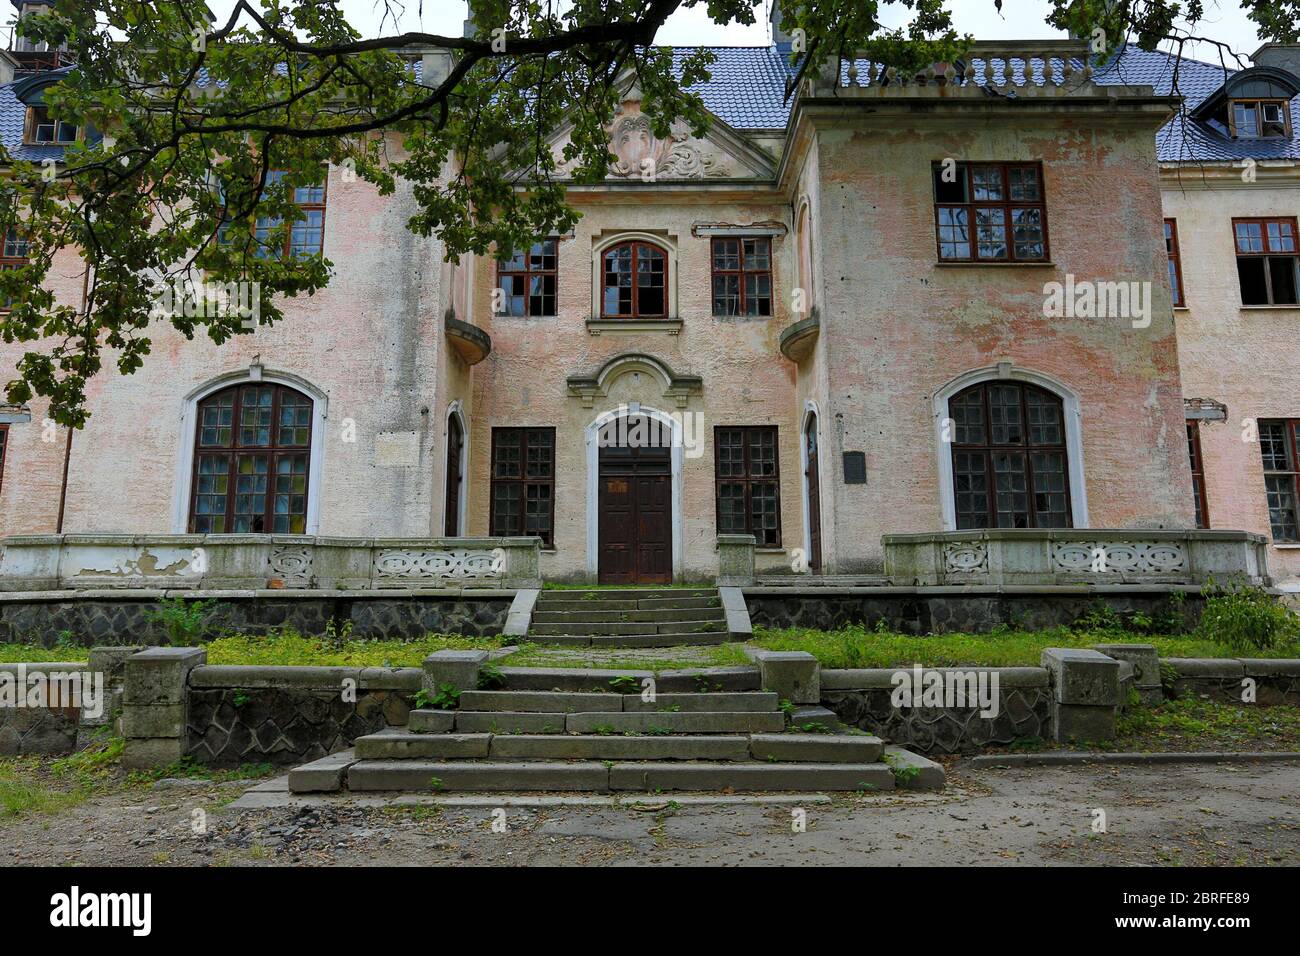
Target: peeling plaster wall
column 897, row 327
column 1245, row 358
column 746, row 380
column 370, row 341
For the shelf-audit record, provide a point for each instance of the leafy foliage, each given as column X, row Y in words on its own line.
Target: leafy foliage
column 1248, row 620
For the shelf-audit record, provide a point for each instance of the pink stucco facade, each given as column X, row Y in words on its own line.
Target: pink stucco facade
column 845, row 194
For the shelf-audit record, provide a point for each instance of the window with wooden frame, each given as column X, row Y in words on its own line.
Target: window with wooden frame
column 1268, row 263
column 1277, row 447
column 742, row 276
column 14, row 257
column 527, row 280
column 305, row 236
column 523, row 483
column 1175, row 261
column 1259, row 119
column 1198, row 473
column 990, row 212
column 4, row 447
column 1010, row 468
column 748, row 482
column 252, row 448
column 44, row 130
column 635, row 282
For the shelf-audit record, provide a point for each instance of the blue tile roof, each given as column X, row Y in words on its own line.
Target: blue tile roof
column 747, row 91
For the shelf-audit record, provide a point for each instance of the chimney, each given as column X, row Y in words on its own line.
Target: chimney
column 1283, row 56
column 470, row 30
column 779, row 37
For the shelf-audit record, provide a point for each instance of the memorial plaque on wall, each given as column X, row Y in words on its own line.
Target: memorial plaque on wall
column 855, row 467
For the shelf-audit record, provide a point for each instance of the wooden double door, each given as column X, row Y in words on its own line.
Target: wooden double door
column 635, row 514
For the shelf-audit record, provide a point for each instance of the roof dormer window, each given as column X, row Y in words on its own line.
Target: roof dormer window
column 44, row 130
column 1260, row 119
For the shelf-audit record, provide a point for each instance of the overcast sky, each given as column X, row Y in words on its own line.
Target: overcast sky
column 1020, row 19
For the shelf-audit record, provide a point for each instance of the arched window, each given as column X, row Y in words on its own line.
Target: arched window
column 635, row 283
column 1009, row 462
column 251, row 451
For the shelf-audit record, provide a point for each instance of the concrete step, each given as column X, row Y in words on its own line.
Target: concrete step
column 630, row 640
column 426, row 775
column 869, row 777
column 541, row 702
column 431, row 721
column 569, row 747
column 622, row 628
column 571, row 702
column 325, row 775
column 652, row 604
column 623, row 594
column 816, row 748
column 564, row 605
column 654, row 615
column 914, row 772
column 512, row 722
column 745, row 702
column 707, row 722
column 439, row 776
column 398, row 743
column 712, row 679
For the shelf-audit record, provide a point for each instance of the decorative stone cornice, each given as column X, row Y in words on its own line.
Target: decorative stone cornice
column 677, row 387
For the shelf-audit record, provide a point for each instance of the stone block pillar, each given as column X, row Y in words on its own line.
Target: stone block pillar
column 457, row 668
column 735, row 560
column 155, row 705
column 794, row 675
column 1085, row 693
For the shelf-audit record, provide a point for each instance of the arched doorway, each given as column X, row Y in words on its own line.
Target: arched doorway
column 635, row 465
column 455, row 475
column 812, row 492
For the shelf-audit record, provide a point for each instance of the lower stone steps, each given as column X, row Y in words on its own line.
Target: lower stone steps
column 612, row 722
column 439, row 776
column 739, row 678
column 571, row 702
column 720, row 636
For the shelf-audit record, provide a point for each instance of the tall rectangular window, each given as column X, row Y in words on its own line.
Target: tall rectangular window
column 1277, row 446
column 1198, row 473
column 523, row 483
column 527, row 280
column 742, row 276
column 305, row 236
column 1268, row 263
column 748, row 483
column 990, row 212
column 1175, row 261
column 14, row 257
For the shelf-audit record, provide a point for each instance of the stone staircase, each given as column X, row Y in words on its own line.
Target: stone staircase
column 629, row 617
column 595, row 731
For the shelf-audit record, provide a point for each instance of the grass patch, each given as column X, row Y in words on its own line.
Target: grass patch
column 34, row 653
column 291, row 648
column 24, row 793
column 856, row 646
column 1194, row 723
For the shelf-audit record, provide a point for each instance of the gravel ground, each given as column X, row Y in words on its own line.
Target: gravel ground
column 1172, row 815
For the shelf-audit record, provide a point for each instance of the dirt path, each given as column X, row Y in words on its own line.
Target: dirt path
column 1154, row 816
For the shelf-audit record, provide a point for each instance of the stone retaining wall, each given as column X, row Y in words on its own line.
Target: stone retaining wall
column 1275, row 681
column 975, row 610
column 862, row 698
column 291, row 715
column 99, row 617
column 60, row 729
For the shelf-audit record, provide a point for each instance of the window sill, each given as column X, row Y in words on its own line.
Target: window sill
column 995, row 265
column 1269, row 308
column 1287, row 545
column 506, row 315
column 598, row 326
column 776, row 550
column 1182, row 308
